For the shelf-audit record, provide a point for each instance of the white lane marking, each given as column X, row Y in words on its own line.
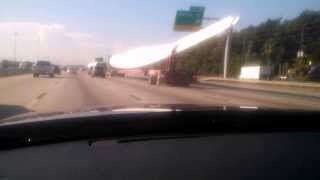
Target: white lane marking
column 32, row 103
column 135, row 97
column 36, row 100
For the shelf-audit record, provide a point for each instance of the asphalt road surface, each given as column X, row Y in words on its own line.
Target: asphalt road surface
column 23, row 94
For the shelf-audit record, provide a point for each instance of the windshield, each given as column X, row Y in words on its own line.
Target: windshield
column 237, row 53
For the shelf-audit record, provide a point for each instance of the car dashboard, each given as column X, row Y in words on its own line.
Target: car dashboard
column 164, row 145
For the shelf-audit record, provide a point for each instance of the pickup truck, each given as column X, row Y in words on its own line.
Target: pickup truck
column 43, row 68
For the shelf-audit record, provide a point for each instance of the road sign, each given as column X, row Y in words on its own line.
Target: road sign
column 198, row 13
column 189, row 20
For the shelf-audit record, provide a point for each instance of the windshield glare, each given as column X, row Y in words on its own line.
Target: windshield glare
column 79, row 55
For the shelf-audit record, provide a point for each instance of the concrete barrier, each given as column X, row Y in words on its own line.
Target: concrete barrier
column 13, row 72
column 298, row 88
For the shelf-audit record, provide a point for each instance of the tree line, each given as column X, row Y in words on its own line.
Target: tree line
column 273, row 43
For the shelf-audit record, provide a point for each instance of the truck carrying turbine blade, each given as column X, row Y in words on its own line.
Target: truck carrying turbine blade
column 144, row 56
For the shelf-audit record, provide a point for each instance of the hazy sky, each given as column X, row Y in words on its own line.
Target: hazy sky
column 74, row 31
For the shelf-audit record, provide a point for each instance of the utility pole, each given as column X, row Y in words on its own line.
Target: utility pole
column 302, row 37
column 15, row 34
column 300, row 51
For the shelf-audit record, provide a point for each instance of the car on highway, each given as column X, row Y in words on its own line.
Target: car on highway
column 314, row 72
column 82, row 69
column 42, row 67
column 72, row 70
column 57, row 69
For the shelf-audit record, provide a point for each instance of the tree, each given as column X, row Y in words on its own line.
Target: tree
column 272, row 42
column 267, row 50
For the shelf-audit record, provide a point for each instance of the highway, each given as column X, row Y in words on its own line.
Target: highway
column 25, row 94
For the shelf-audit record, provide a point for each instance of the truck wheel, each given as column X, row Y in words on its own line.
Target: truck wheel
column 35, row 75
column 51, row 75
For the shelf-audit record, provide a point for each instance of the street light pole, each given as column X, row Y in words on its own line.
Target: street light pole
column 300, row 53
column 226, row 48
column 226, row 54
column 14, row 46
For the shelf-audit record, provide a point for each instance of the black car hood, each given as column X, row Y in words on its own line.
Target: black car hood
column 108, row 110
column 145, row 120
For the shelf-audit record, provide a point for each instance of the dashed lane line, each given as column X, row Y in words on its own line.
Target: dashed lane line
column 36, row 100
column 135, row 97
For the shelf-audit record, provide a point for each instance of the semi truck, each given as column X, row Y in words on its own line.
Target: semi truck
column 169, row 71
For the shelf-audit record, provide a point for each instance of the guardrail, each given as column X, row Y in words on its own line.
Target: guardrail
column 13, row 72
column 300, row 88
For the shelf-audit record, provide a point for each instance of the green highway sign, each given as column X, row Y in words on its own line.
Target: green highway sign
column 185, row 18
column 198, row 12
column 189, row 20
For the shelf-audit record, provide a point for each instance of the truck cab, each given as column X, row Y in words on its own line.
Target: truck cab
column 170, row 71
column 97, row 69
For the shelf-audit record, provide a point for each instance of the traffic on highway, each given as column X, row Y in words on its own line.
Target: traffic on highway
column 76, row 89
column 230, row 87
column 159, row 74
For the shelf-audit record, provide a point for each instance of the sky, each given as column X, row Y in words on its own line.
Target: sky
column 76, row 31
